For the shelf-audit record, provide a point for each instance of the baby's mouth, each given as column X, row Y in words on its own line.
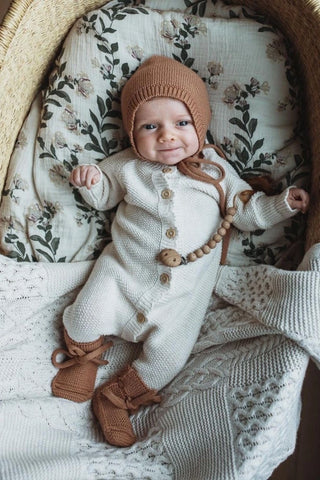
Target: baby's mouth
column 169, row 149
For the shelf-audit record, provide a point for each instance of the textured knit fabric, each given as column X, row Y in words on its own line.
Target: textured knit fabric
column 164, row 77
column 277, row 299
column 132, row 295
column 232, row 412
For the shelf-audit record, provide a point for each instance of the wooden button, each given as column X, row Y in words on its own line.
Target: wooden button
column 167, row 170
column 166, row 194
column 171, row 233
column 141, row 318
column 164, row 278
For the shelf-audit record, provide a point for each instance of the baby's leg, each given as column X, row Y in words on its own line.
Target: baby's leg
column 85, row 324
column 86, row 319
column 116, row 399
column 164, row 355
column 76, row 378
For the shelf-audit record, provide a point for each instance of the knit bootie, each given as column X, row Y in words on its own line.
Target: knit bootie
column 77, row 376
column 115, row 400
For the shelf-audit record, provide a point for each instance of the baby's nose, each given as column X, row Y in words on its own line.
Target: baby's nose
column 166, row 135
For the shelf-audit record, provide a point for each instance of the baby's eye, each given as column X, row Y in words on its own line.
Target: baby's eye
column 149, row 126
column 183, row 123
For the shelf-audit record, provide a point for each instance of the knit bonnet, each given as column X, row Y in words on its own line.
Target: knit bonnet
column 161, row 76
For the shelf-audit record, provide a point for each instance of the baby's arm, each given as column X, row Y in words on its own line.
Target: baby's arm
column 93, row 186
column 101, row 185
column 85, row 176
column 256, row 210
column 298, row 199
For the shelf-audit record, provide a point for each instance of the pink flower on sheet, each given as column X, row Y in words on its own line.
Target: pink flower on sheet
column 214, row 69
column 256, row 87
column 84, row 85
column 196, row 25
column 276, row 50
column 136, row 52
column 35, row 213
column 59, row 140
column 170, row 30
column 231, row 94
column 69, row 116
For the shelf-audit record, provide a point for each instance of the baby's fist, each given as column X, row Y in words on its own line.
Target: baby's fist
column 298, row 199
column 84, row 176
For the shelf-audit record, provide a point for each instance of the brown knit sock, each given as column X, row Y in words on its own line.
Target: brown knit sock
column 115, row 400
column 114, row 420
column 76, row 379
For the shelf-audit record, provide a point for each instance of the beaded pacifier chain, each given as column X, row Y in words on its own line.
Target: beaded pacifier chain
column 171, row 258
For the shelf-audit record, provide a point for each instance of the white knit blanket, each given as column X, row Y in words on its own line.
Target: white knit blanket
column 232, row 413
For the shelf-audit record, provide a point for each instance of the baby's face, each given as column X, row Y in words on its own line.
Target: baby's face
column 164, row 131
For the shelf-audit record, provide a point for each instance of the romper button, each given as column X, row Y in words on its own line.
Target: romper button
column 166, row 193
column 141, row 318
column 171, row 233
column 167, row 170
column 164, row 278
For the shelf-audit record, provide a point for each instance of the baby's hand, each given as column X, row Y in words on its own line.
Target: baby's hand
column 84, row 176
column 298, row 199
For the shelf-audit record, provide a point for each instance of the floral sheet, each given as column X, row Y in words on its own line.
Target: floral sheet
column 254, row 94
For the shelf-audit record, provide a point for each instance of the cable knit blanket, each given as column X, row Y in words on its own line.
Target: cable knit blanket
column 232, row 413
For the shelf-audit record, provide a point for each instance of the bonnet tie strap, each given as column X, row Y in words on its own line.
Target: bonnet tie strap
column 191, row 168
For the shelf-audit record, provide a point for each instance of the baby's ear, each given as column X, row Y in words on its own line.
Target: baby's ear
column 262, row 183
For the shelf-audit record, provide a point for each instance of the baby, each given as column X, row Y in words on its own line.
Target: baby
column 176, row 201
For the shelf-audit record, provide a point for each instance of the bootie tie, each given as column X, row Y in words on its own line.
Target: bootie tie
column 115, row 400
column 77, row 376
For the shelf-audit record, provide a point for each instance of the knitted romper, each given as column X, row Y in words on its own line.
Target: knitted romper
column 130, row 293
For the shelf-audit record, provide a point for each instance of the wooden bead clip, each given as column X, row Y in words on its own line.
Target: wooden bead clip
column 171, row 258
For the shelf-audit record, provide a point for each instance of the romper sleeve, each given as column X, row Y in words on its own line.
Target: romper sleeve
column 254, row 210
column 109, row 190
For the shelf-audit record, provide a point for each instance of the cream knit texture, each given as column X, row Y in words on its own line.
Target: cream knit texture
column 132, row 295
column 282, row 302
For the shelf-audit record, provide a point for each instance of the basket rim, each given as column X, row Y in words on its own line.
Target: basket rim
column 10, row 24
